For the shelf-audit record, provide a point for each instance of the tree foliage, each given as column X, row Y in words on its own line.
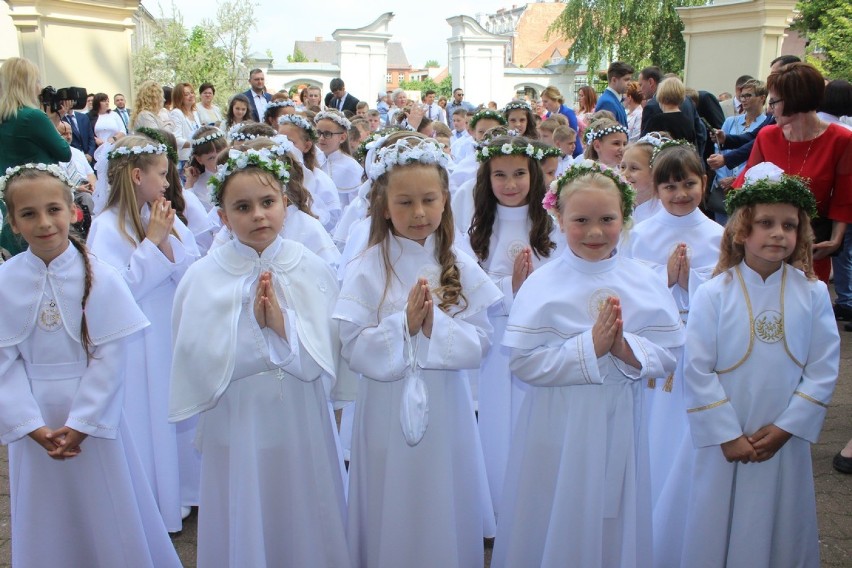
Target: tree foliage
column 639, row 32
column 431, row 63
column 214, row 51
column 297, row 57
column 444, row 88
column 828, row 26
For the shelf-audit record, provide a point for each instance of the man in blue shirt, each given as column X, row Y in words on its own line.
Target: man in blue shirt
column 619, row 76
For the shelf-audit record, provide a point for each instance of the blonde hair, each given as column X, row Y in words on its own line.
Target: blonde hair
column 738, row 229
column 671, row 92
column 122, row 192
column 19, row 80
column 149, row 97
column 598, row 124
column 449, row 290
column 593, row 181
column 294, row 189
column 553, row 94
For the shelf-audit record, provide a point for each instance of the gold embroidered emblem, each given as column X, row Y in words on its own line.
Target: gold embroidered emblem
column 432, row 274
column 598, row 300
column 514, row 249
column 50, row 318
column 769, row 326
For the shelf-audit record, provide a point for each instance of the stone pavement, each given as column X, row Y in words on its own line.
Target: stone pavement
column 833, row 490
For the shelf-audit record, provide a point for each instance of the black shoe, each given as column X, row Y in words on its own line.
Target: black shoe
column 842, row 313
column 842, row 464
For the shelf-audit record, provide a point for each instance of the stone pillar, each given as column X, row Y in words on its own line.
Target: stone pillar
column 77, row 43
column 732, row 38
column 363, row 57
column 476, row 60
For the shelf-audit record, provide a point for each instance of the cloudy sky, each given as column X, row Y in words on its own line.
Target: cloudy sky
column 420, row 26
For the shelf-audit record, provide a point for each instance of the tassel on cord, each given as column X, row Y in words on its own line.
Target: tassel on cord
column 669, row 383
column 652, row 383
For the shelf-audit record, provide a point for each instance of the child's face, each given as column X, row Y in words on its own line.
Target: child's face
column 567, row 146
column 518, row 120
column 240, row 110
column 636, row 169
column 296, row 135
column 483, row 126
column 591, row 220
column 331, row 136
column 773, row 237
column 459, row 123
column 610, row 149
column 208, row 160
column 42, row 215
column 510, row 180
column 546, row 136
column 416, row 201
column 253, row 208
column 375, row 122
column 445, row 140
column 150, row 183
column 682, row 197
column 548, row 168
column 362, row 112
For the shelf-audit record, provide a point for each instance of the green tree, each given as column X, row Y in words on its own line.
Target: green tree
column 444, row 88
column 828, row 26
column 639, row 32
column 431, row 63
column 297, row 57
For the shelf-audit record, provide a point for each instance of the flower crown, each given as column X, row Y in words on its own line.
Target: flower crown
column 51, row 169
column 374, row 140
column 487, row 114
column 281, row 104
column 301, row 122
column 209, row 138
column 517, row 105
column 155, row 134
column 551, row 198
column 283, row 146
column 238, row 161
column 767, row 183
column 137, row 150
column 426, row 151
column 668, row 143
column 486, row 152
column 593, row 134
column 655, row 139
column 235, row 134
column 333, row 116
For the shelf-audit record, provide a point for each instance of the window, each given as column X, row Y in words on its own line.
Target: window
column 388, row 78
column 401, row 77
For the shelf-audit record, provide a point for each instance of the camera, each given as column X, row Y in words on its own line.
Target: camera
column 52, row 98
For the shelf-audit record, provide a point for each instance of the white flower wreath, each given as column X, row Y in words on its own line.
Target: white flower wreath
column 333, row 116
column 238, row 161
column 209, row 138
column 401, row 154
column 51, row 169
column 136, row 150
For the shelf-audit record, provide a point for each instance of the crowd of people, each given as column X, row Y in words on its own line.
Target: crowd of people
column 373, row 337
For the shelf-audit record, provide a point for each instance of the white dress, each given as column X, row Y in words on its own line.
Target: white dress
column 652, row 242
column 325, row 195
column 757, row 353
column 95, row 509
column 152, row 279
column 499, row 393
column 271, row 486
column 577, row 490
column 182, row 128
column 108, row 124
column 425, row 505
column 198, row 222
column 344, row 171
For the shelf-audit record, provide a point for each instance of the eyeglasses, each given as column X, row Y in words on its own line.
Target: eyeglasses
column 746, row 96
column 327, row 133
column 775, row 102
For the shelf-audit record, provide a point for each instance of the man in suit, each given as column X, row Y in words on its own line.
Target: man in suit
column 733, row 106
column 257, row 95
column 82, row 133
column 619, row 76
column 338, row 98
column 122, row 111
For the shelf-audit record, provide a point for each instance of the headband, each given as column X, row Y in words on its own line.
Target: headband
column 399, row 153
column 240, row 160
column 333, row 116
column 116, row 153
column 51, row 169
column 593, row 134
column 767, row 183
column 551, row 198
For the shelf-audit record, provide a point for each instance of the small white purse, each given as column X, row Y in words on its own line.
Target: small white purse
column 414, row 407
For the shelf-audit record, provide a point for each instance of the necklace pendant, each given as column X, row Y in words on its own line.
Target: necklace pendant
column 50, row 318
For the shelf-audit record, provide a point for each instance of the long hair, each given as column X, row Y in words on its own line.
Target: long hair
column 174, row 192
column 449, row 290
column 149, row 97
column 309, row 158
column 94, row 113
column 531, row 131
column 178, row 96
column 122, row 194
column 596, row 124
column 229, row 116
column 344, row 146
column 294, row 189
column 591, row 98
column 485, row 206
column 33, row 174
column 738, row 229
column 18, row 86
column 215, row 145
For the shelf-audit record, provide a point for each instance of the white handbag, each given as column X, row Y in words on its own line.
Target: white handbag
column 414, row 407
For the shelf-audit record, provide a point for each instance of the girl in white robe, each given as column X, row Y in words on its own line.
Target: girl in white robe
column 511, row 235
column 681, row 244
column 762, row 356
column 585, row 331
column 413, row 312
column 79, row 496
column 335, row 158
column 138, row 234
column 271, row 486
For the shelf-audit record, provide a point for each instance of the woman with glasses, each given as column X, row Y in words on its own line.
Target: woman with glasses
column 802, row 144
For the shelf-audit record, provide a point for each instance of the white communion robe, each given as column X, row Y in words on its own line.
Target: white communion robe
column 326, row 200
column 152, row 279
column 425, row 505
column 577, row 489
column 500, row 394
column 95, row 509
column 653, row 242
column 271, row 486
column 344, row 171
column 757, row 353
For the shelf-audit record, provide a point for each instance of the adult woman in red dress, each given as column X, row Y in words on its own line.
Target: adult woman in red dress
column 801, row 144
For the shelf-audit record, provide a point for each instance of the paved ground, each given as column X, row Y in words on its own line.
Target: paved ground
column 833, row 490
